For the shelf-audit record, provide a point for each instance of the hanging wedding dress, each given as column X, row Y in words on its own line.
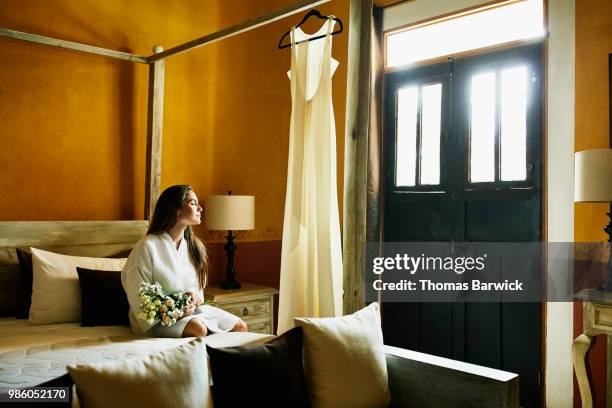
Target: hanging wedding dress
column 311, row 259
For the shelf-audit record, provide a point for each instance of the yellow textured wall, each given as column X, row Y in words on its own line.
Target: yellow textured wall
column 73, row 126
column 593, row 43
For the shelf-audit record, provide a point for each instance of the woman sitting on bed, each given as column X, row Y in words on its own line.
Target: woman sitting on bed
column 172, row 255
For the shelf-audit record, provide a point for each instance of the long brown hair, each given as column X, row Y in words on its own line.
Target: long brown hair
column 164, row 218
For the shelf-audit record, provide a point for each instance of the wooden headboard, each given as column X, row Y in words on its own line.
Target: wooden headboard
column 83, row 238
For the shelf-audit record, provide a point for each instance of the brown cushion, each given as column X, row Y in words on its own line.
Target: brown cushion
column 241, row 375
column 103, row 300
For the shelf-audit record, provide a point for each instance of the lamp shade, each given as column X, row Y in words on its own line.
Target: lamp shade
column 593, row 171
column 230, row 212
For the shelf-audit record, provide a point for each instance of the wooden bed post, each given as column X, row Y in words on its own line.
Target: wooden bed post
column 155, row 119
column 356, row 141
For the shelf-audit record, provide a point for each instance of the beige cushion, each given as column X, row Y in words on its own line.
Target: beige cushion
column 56, row 295
column 177, row 377
column 344, row 361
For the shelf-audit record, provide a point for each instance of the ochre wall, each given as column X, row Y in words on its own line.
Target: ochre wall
column 73, row 126
column 593, row 43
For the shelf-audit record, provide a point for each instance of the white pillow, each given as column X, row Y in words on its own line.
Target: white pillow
column 177, row 377
column 344, row 360
column 56, row 295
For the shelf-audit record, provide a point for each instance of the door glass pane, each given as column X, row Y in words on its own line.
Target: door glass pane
column 482, row 128
column 514, row 123
column 430, row 134
column 405, row 162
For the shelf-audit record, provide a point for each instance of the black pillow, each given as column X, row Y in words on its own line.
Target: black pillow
column 103, row 300
column 242, row 375
column 24, row 294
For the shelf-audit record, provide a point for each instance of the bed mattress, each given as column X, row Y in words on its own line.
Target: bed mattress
column 30, row 355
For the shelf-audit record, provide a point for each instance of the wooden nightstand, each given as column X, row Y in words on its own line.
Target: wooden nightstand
column 252, row 303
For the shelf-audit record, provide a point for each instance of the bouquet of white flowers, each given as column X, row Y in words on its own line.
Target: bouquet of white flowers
column 157, row 305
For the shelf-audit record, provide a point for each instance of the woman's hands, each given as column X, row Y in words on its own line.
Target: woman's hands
column 195, row 302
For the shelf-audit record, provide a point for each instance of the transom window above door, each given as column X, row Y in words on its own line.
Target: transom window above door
column 500, row 23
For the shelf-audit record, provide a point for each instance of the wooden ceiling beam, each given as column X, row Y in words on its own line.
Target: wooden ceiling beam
column 387, row 3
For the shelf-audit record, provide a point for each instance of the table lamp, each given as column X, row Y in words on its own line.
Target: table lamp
column 593, row 183
column 232, row 213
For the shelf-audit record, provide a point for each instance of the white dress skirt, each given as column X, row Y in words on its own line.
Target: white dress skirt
column 156, row 259
column 215, row 319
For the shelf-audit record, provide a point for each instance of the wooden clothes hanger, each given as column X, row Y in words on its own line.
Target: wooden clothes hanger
column 311, row 13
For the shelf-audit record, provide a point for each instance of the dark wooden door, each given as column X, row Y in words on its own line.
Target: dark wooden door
column 480, row 183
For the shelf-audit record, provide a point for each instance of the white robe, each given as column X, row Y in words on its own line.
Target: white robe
column 155, row 258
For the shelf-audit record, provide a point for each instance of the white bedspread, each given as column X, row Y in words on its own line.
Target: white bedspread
column 30, row 355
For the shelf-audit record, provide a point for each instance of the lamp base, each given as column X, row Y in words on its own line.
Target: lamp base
column 605, row 286
column 230, row 281
column 230, row 284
